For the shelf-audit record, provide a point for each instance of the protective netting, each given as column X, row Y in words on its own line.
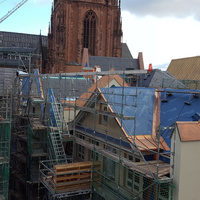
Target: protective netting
column 112, row 180
column 4, row 180
column 181, row 84
column 5, row 140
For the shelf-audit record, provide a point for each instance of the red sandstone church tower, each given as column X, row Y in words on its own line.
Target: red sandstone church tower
column 78, row 24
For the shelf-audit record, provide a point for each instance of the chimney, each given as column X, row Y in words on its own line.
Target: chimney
column 140, row 59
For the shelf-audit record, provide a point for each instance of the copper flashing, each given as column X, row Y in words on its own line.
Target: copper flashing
column 156, row 113
column 189, row 131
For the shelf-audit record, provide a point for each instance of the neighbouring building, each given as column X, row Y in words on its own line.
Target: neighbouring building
column 158, row 78
column 186, row 145
column 22, row 51
column 186, row 70
column 20, row 40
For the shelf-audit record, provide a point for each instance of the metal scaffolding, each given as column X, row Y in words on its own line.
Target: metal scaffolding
column 68, row 118
column 5, row 131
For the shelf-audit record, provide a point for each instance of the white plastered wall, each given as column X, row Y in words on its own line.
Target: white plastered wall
column 186, row 169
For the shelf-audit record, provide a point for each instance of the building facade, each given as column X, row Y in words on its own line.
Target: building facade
column 75, row 25
column 19, row 51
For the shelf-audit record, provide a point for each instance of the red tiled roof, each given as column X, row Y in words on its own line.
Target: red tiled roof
column 104, row 81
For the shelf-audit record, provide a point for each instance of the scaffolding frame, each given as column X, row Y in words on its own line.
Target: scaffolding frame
column 5, row 134
column 92, row 99
column 25, row 60
column 88, row 110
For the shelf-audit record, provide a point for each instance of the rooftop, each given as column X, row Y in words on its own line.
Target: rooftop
column 189, row 131
column 185, row 68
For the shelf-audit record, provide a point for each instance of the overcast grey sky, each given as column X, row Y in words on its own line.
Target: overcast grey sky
column 162, row 29
column 163, row 8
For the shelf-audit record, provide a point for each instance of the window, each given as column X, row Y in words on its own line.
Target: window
column 5, row 55
column 81, row 137
column 89, row 31
column 109, row 164
column 109, row 168
column 80, row 148
column 133, row 181
column 164, row 191
column 103, row 118
column 133, row 158
column 130, row 157
column 94, row 155
column 81, row 152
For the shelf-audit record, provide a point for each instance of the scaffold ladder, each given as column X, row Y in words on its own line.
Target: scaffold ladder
column 58, row 115
column 57, row 146
column 56, row 133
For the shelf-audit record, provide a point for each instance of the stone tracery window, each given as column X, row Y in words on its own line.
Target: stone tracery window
column 89, row 34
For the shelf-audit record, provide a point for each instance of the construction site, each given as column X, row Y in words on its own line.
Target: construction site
column 82, row 119
column 89, row 135
column 53, row 153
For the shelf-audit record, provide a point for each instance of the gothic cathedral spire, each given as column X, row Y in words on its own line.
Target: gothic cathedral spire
column 91, row 24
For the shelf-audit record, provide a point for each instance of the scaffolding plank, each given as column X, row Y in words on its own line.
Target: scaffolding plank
column 72, row 167
column 103, row 73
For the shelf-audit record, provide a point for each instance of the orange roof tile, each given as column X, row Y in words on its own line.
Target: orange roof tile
column 104, row 81
column 189, row 131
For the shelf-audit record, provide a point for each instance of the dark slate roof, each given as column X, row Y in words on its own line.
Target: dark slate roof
column 126, row 52
column 9, row 57
column 107, row 63
column 158, row 78
column 16, row 50
column 12, row 39
column 67, row 87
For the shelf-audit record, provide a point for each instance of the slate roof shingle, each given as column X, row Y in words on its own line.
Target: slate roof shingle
column 107, row 63
column 158, row 78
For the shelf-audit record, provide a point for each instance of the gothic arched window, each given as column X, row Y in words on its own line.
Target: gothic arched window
column 89, row 32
